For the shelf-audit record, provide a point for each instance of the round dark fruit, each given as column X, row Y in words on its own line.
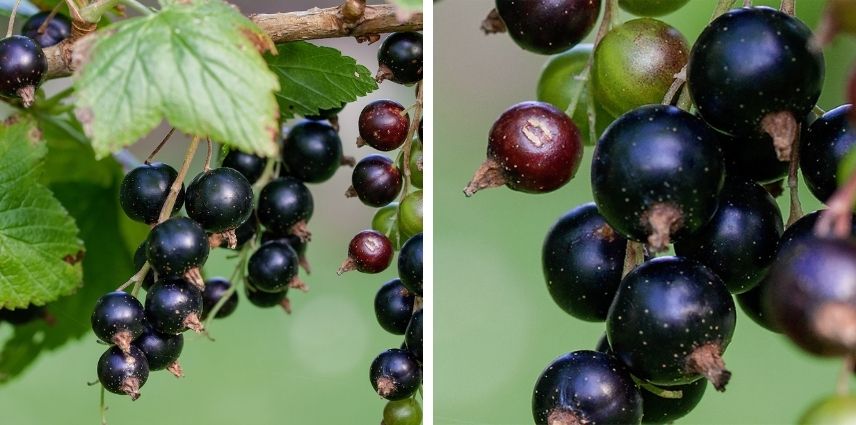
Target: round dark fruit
column 24, row 67
column 312, row 152
column 368, row 252
column 383, row 125
column 548, row 27
column 247, row 230
column 395, row 374
column 393, row 306
column 145, row 189
column 57, row 29
column 176, row 246
column 161, row 350
column 215, row 289
column 822, row 148
column 265, row 299
column 118, row 318
column 410, row 264
column 250, row 166
column 752, row 303
column 220, row 199
column 122, row 373
column 273, row 267
column 285, row 206
column 400, row 57
column 174, row 305
column 752, row 157
column 663, row 410
column 413, row 335
column 651, row 7
column 402, row 412
column 376, row 181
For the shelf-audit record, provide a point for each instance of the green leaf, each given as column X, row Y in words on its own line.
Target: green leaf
column 39, row 248
column 410, row 5
column 195, row 63
column 847, row 168
column 314, row 77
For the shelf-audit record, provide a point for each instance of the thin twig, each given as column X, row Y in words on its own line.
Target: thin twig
column 796, row 211
column 583, row 76
column 11, row 25
column 103, row 408
column 207, row 166
column 166, row 211
column 408, row 144
column 159, row 146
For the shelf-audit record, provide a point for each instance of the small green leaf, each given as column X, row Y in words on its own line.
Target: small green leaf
column 39, row 249
column 195, row 63
column 314, row 77
column 410, row 5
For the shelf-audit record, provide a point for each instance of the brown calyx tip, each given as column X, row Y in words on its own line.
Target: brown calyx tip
column 348, row 161
column 193, row 323
column 175, row 369
column 131, row 387
column 215, row 240
column 360, row 141
column 231, row 238
column 561, row 416
column 493, row 24
column 347, row 266
column 301, row 230
column 663, row 220
column 605, row 232
column 836, row 321
column 286, row 305
column 383, row 73
column 707, row 361
column 487, row 176
column 194, row 276
column 385, row 386
column 123, row 340
column 298, row 284
column 351, row 192
column 783, row 128
column 305, row 264
column 27, row 95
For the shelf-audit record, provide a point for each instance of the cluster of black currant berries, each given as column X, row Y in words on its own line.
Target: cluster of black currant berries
column 663, row 176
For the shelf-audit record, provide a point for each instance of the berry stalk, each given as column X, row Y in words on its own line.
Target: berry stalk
column 609, row 12
column 408, row 143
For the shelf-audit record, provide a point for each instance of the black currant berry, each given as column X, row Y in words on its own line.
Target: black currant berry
column 395, row 374
column 671, row 320
column 586, row 387
column 139, row 260
column 312, row 152
column 174, row 305
column 145, row 189
column 656, row 174
column 23, row 66
column 663, row 410
column 583, row 259
column 57, row 29
column 548, row 27
column 23, row 316
column 247, row 231
column 285, row 207
column 299, row 246
column 249, row 165
column 400, row 58
column 368, row 252
column 215, row 289
column 413, row 335
column 273, row 267
column 176, row 246
column 532, row 147
column 376, row 181
column 803, row 230
column 383, row 125
column 394, row 306
column 410, row 264
column 752, row 157
column 822, row 148
column 118, row 318
column 220, row 199
column 122, row 373
column 811, row 295
column 267, row 299
column 751, row 63
column 740, row 242
column 161, row 350
column 752, row 303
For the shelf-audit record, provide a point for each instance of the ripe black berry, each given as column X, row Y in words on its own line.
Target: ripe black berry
column 413, row 335
column 671, row 320
column 656, row 173
column 368, row 252
column 145, row 189
column 752, row 157
column 273, row 267
column 400, row 58
column 246, row 231
column 393, row 306
column 585, row 387
column 285, row 206
column 215, row 289
column 312, row 152
column 803, row 230
column 533, row 147
column 410, row 264
column 122, row 373
column 174, row 305
column 23, row 66
column 220, row 199
column 299, row 246
column 662, row 410
column 161, row 350
column 822, row 148
column 176, row 246
column 376, row 181
column 383, row 125
column 118, row 318
column 740, row 242
column 249, row 165
column 56, row 30
column 583, row 259
column 139, row 260
column 548, row 27
column 395, row 374
column 752, row 303
column 267, row 299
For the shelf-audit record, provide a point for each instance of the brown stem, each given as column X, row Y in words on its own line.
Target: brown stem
column 348, row 265
column 298, row 284
column 492, row 24
column 836, row 219
column 487, row 176
column 415, row 118
column 207, row 167
column 175, row 369
column 192, row 322
column 348, row 161
column 632, row 255
column 707, row 361
column 159, row 146
column 179, row 180
column 352, row 11
column 131, row 387
column 11, row 25
column 301, row 230
column 796, row 211
column 123, row 340
column 784, row 129
column 680, row 79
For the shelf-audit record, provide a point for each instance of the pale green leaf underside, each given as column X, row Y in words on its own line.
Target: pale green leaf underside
column 314, row 77
column 196, row 64
column 38, row 238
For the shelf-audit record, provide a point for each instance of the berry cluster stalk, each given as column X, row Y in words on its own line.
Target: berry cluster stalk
column 408, row 144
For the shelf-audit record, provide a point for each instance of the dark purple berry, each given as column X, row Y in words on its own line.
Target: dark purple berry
column 368, row 252
column 273, row 267
column 413, row 335
column 400, row 58
column 176, row 246
column 23, row 65
column 215, row 289
column 174, row 305
column 548, row 27
column 56, row 30
column 376, row 181
column 393, row 306
column 395, row 374
column 383, row 125
column 410, row 264
column 122, row 373
column 249, row 165
column 822, row 148
column 220, row 199
column 118, row 318
column 145, row 189
column 326, row 114
column 267, row 299
column 312, row 152
column 161, row 350
column 285, row 207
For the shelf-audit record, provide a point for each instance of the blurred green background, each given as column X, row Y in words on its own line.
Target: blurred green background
column 265, row 367
column 496, row 325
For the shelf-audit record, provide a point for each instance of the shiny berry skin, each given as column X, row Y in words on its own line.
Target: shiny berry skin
column 312, row 152
column 383, row 125
column 58, row 29
column 393, row 306
column 583, row 258
column 249, row 165
column 174, row 305
column 740, row 242
column 533, row 148
column 264, row 299
column 292, row 240
column 401, row 55
column 23, row 67
column 752, row 303
column 822, row 148
column 651, row 7
column 139, row 260
column 413, row 335
column 661, row 410
column 369, row 252
column 220, row 199
column 145, row 189
column 376, row 180
column 395, row 374
column 215, row 289
column 284, row 203
column 410, row 264
column 586, row 387
column 671, row 320
column 803, row 230
column 752, row 157
column 548, row 27
column 656, row 174
column 176, row 246
column 161, row 350
column 402, row 412
column 118, row 318
column 273, row 266
column 247, row 231
column 122, row 373
column 811, row 295
column 750, row 62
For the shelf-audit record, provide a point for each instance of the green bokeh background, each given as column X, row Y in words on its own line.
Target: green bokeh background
column 496, row 326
